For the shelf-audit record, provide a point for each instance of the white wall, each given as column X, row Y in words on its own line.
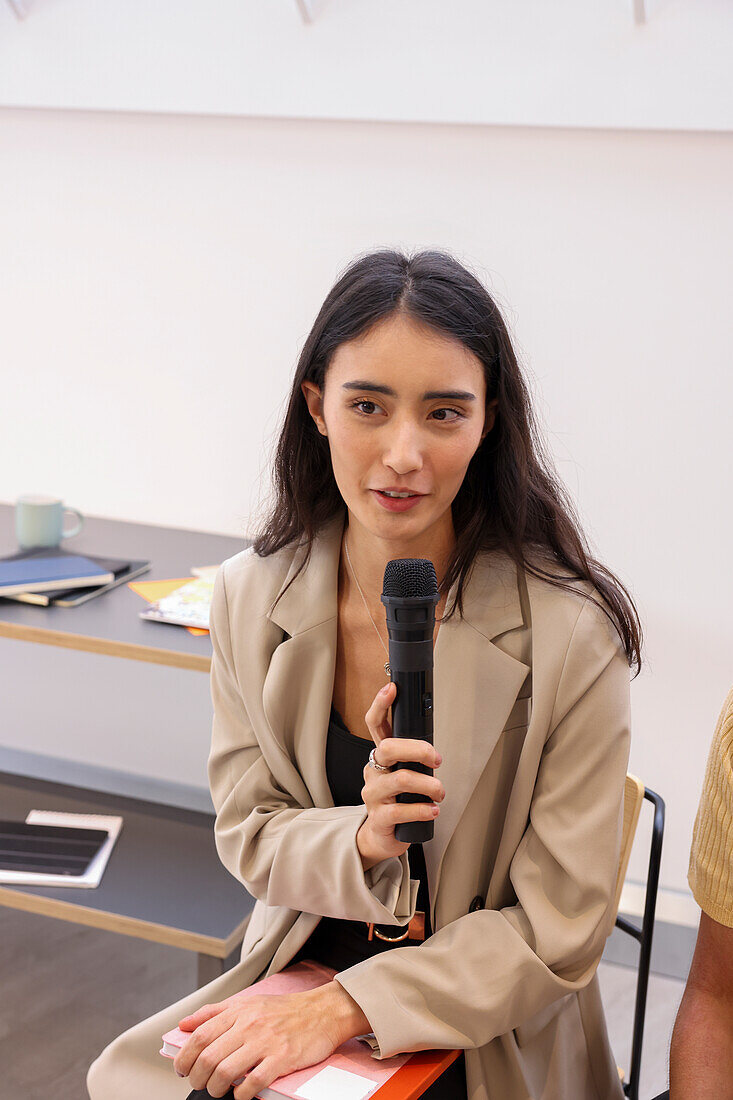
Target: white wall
column 564, row 63
column 161, row 273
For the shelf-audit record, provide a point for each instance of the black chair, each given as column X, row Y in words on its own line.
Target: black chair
column 643, row 936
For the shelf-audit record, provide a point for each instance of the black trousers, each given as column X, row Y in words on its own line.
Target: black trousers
column 451, row 1086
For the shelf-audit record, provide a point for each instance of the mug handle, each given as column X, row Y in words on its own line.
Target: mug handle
column 79, row 525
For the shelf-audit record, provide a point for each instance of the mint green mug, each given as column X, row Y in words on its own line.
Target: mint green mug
column 39, row 521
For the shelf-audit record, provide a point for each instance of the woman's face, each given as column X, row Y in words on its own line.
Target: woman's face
column 403, row 408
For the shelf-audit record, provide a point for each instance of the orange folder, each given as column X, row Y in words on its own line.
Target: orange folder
column 417, row 1075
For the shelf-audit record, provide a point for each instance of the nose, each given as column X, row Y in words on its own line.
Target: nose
column 403, row 452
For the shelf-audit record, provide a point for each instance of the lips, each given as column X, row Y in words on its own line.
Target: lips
column 395, row 489
column 397, row 504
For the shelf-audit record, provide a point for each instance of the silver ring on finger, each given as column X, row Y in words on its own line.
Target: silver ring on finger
column 373, row 763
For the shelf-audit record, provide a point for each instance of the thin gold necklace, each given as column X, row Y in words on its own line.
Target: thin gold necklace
column 387, row 669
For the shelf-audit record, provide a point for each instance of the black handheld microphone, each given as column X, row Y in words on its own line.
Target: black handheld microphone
column 410, row 593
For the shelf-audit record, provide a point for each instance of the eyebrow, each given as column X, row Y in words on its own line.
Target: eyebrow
column 447, row 395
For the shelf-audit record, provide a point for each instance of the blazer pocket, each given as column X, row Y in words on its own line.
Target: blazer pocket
column 531, row 1028
column 519, row 714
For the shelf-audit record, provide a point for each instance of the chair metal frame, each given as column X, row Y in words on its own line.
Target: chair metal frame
column 644, row 935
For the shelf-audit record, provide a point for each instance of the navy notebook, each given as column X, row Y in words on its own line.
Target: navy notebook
column 123, row 569
column 40, row 574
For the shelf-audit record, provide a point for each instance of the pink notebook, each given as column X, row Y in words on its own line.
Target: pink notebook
column 350, row 1073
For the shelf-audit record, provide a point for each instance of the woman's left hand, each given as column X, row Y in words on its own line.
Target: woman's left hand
column 265, row 1037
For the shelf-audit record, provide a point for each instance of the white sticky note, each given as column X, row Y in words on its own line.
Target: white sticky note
column 336, row 1084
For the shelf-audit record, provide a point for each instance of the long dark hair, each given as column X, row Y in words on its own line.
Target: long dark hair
column 510, row 499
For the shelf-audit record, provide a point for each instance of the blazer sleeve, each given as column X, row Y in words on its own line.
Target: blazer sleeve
column 492, row 970
column 284, row 853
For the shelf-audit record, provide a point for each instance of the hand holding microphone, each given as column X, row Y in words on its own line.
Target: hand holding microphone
column 376, row 839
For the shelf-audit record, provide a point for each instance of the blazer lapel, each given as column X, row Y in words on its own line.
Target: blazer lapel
column 298, row 687
column 475, row 684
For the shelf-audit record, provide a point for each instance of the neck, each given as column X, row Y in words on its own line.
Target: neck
column 369, row 554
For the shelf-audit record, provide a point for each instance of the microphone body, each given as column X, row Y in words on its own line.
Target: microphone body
column 410, row 595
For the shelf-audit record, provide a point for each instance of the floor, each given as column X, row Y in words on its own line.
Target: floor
column 68, row 990
column 619, row 991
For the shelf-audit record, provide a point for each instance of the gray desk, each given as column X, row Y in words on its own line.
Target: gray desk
column 164, row 881
column 110, row 623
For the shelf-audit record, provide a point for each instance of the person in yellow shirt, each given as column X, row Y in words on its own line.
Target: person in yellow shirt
column 701, row 1055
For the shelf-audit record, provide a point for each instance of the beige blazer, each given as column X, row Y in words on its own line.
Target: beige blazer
column 535, row 750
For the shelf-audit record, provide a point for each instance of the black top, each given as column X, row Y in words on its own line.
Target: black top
column 343, row 943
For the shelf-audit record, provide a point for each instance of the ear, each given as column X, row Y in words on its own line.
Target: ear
column 490, row 418
column 314, row 400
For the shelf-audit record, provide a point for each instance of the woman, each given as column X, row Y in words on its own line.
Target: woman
column 408, row 384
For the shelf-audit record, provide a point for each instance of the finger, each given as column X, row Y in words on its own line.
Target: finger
column 376, row 717
column 398, row 750
column 257, row 1080
column 230, row 1071
column 199, row 1040
column 386, row 786
column 200, row 1016
column 404, row 781
column 221, row 1061
column 394, row 813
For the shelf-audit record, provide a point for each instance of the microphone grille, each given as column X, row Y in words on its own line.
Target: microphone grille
column 410, row 577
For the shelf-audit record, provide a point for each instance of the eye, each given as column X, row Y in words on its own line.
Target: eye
column 458, row 415
column 363, row 401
